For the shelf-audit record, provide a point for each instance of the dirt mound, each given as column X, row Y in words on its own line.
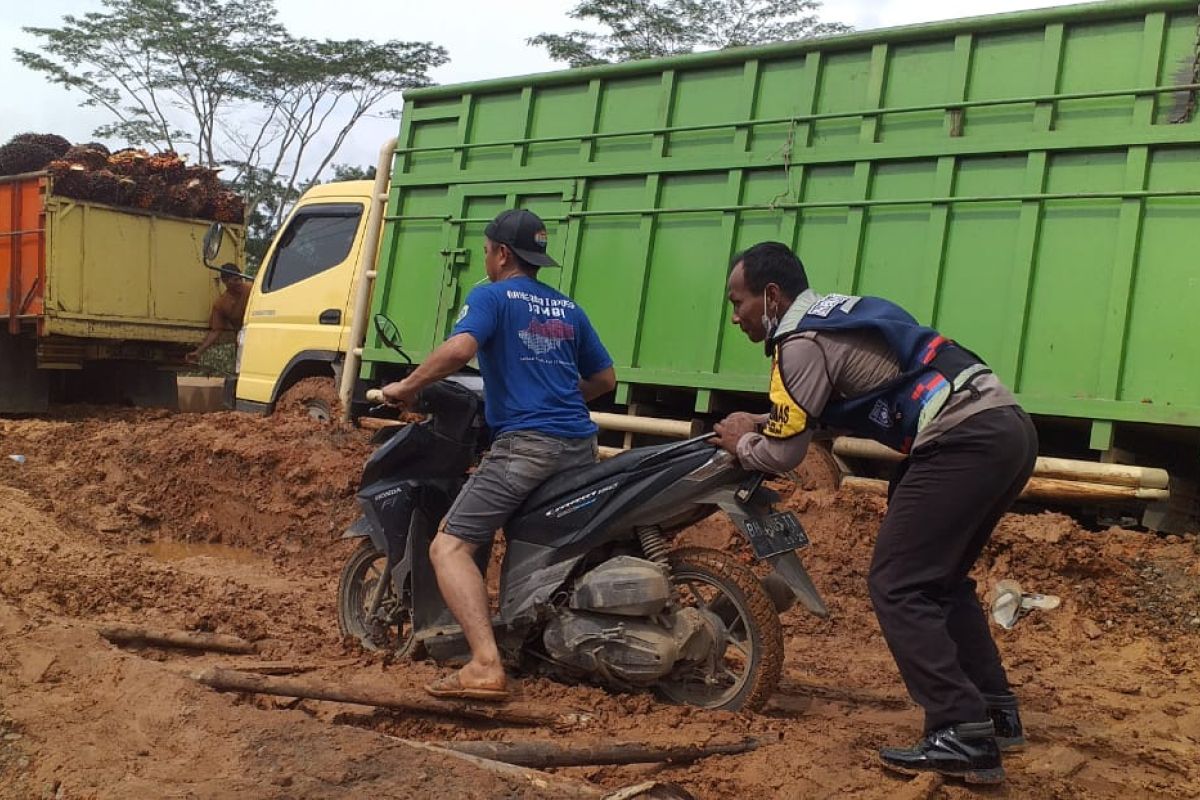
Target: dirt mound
column 281, row 486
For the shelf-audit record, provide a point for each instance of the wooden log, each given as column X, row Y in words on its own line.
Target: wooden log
column 559, row 785
column 1046, row 467
column 1044, row 489
column 1086, row 491
column 227, row 680
column 376, row 423
column 188, row 640
column 543, row 754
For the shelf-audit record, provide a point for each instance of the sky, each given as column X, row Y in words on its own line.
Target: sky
column 485, row 39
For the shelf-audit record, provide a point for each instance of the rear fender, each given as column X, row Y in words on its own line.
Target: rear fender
column 788, row 566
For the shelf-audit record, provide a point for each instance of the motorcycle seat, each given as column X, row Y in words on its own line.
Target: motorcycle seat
column 575, row 479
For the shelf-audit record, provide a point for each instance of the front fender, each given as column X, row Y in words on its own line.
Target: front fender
column 361, row 528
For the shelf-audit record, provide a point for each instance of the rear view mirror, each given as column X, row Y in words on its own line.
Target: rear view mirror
column 212, row 241
column 389, row 334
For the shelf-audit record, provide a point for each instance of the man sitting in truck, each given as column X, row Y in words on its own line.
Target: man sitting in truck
column 228, row 309
column 863, row 364
column 541, row 362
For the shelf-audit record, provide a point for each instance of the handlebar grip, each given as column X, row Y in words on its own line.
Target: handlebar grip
column 375, row 396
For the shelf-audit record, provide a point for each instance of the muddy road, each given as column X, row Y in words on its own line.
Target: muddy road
column 229, row 524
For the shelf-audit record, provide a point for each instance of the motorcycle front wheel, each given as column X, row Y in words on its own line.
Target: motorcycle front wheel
column 746, row 674
column 390, row 627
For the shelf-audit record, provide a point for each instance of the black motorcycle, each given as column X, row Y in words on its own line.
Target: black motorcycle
column 590, row 588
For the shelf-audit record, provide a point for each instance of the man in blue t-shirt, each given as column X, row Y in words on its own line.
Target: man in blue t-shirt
column 542, row 362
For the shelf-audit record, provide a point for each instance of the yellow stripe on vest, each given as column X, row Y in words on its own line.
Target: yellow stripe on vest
column 787, row 417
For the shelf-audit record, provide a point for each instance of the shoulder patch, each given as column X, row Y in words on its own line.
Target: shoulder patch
column 881, row 415
column 462, row 313
column 826, row 305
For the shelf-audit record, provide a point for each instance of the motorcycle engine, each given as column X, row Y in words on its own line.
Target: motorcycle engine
column 619, row 625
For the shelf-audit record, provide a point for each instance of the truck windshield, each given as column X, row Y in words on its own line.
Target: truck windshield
column 317, row 238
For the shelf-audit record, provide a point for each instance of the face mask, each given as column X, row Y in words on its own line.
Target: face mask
column 769, row 323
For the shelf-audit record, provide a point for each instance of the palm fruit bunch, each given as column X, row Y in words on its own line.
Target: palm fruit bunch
column 157, row 182
column 70, row 178
column 186, row 199
column 51, row 141
column 167, row 164
column 20, row 157
column 104, row 187
column 149, row 193
column 230, row 208
column 130, row 161
column 87, row 155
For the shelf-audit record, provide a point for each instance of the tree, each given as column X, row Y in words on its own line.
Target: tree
column 655, row 28
column 225, row 81
column 352, row 172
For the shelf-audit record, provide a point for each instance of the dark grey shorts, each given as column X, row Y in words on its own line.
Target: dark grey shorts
column 516, row 464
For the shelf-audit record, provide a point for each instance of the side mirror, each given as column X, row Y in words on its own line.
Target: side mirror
column 389, row 334
column 212, row 242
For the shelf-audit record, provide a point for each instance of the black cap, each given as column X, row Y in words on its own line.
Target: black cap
column 524, row 232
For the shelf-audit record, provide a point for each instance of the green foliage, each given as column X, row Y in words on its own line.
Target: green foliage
column 352, row 172
column 655, row 28
column 223, row 80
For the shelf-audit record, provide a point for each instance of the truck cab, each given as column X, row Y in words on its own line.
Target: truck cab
column 297, row 322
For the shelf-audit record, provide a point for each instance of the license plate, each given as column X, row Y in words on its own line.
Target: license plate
column 774, row 534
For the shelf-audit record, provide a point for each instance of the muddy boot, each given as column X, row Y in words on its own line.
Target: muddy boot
column 1002, row 708
column 968, row 751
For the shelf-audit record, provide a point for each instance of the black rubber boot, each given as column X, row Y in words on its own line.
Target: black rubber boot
column 1002, row 708
column 967, row 751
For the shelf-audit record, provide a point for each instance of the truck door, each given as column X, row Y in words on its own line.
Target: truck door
column 296, row 311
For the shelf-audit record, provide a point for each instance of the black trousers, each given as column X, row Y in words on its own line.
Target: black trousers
column 942, row 509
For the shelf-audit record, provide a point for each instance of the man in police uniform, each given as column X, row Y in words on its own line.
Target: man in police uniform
column 864, row 365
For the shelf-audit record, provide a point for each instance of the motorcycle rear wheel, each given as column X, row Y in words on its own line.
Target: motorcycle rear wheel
column 752, row 661
column 391, row 629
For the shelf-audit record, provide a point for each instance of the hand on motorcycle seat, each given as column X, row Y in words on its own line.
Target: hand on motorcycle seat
column 729, row 430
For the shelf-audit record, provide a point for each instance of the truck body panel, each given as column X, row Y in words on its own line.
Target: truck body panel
column 1028, row 183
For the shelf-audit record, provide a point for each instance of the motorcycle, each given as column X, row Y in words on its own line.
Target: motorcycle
column 590, row 588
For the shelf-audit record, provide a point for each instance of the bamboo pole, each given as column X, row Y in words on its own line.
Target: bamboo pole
column 543, row 754
column 1046, row 467
column 1043, row 489
column 674, row 428
column 188, row 640
column 227, row 680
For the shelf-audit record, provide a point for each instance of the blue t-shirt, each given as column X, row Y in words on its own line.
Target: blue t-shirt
column 534, row 344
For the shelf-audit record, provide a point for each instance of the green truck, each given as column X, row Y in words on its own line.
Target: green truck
column 1028, row 183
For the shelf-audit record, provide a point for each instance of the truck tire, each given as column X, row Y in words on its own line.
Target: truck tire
column 315, row 398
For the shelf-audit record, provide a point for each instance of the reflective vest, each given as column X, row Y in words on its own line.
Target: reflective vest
column 932, row 367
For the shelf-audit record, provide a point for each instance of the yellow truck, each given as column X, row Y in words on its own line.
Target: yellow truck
column 99, row 303
column 297, row 325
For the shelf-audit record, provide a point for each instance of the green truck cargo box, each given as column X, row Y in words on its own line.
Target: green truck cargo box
column 1028, row 183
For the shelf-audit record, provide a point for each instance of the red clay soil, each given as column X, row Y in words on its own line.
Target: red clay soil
column 230, row 523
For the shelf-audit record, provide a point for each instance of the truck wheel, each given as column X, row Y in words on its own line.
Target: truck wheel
column 316, row 398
